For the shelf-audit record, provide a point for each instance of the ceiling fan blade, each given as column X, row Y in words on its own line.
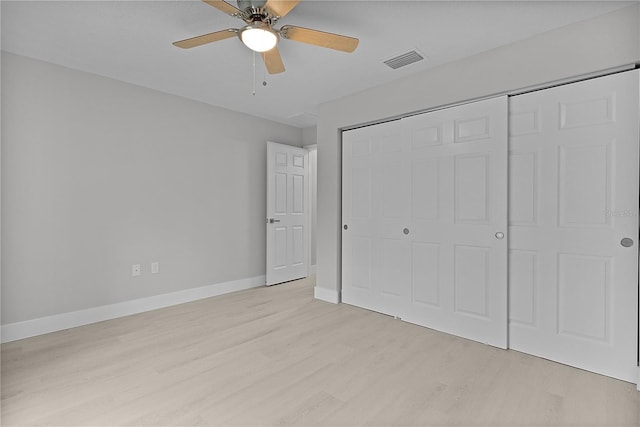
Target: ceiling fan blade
column 273, row 61
column 319, row 38
column 281, row 7
column 224, row 6
column 206, row 38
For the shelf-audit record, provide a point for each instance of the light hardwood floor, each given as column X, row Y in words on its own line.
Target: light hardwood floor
column 275, row 356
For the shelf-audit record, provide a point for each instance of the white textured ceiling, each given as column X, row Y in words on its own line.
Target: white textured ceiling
column 131, row 41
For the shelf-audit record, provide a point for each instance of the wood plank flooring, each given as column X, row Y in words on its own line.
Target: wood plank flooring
column 277, row 357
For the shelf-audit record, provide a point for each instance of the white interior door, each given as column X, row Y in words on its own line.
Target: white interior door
column 423, row 199
column 287, row 213
column 573, row 199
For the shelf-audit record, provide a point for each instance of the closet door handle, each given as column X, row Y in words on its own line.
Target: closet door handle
column 405, row 231
column 626, row 242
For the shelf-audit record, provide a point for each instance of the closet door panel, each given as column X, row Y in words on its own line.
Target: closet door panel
column 466, row 293
column 573, row 199
column 376, row 209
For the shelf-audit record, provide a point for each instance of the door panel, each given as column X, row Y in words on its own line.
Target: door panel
column 459, row 276
column 288, row 208
column 376, row 207
column 573, row 197
column 433, row 190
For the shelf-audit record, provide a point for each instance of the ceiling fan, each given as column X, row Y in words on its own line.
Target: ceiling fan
column 259, row 35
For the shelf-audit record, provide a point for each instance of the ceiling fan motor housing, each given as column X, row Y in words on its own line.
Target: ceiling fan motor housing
column 254, row 11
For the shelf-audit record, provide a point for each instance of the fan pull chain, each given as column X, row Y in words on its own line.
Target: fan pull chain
column 254, row 73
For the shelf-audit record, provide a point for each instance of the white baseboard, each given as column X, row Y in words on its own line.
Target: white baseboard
column 44, row 325
column 638, row 380
column 328, row 295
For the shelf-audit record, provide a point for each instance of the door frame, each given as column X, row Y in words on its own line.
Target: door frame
column 313, row 182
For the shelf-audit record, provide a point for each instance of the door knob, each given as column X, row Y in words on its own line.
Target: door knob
column 405, row 231
column 626, row 242
column 499, row 235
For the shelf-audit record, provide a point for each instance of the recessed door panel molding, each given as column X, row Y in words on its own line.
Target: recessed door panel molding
column 585, row 180
column 472, row 186
column 523, row 188
column 281, row 158
column 361, row 192
column 425, row 181
column 576, row 300
column 288, row 213
column 393, row 264
column 471, row 129
column 395, row 201
column 360, row 267
column 524, row 122
column 298, row 161
column 425, row 274
column 436, row 180
column 280, row 248
column 471, row 280
column 360, row 147
column 280, row 193
column 426, row 136
column 298, row 241
column 584, row 286
column 299, row 192
column 390, row 141
column 523, row 271
column 588, row 112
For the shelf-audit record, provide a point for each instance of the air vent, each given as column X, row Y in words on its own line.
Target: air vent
column 404, row 59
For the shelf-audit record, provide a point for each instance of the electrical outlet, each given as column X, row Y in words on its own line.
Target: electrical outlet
column 135, row 270
column 155, row 267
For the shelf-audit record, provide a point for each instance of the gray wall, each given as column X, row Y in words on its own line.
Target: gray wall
column 604, row 42
column 98, row 175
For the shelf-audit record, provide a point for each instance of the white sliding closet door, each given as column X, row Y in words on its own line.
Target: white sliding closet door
column 459, row 221
column 376, row 208
column 423, row 201
column 573, row 200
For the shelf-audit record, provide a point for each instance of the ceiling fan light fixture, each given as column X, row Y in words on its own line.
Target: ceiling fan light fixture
column 259, row 37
